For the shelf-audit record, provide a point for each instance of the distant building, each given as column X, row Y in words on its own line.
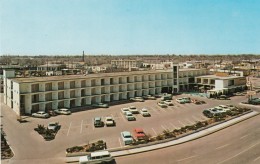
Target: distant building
column 51, row 67
column 125, row 63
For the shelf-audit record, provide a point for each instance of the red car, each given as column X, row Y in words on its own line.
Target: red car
column 139, row 134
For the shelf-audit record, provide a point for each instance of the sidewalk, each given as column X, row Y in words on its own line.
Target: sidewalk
column 177, row 141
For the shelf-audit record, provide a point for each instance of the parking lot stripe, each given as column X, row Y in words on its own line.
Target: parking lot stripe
column 154, row 131
column 182, row 123
column 123, row 117
column 162, row 109
column 190, row 122
column 221, row 147
column 187, row 158
column 244, row 136
column 69, row 129
column 81, row 126
column 202, row 117
column 120, row 142
column 174, row 127
column 163, row 127
column 93, row 127
column 196, row 118
column 155, row 110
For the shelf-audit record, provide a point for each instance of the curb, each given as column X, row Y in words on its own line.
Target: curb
column 186, row 138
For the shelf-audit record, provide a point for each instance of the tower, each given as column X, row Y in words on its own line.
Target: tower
column 83, row 55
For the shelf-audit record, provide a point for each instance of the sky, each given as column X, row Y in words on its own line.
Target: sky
column 125, row 27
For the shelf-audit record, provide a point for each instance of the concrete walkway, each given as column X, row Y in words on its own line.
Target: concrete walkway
column 177, row 141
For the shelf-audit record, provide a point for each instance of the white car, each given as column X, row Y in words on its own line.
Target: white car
column 133, row 110
column 41, row 114
column 129, row 116
column 53, row 126
column 144, row 112
column 168, row 102
column 162, row 104
column 149, row 97
column 127, row 137
column 97, row 157
column 180, row 100
column 138, row 99
column 231, row 107
column 109, row 121
column 63, row 111
column 124, row 110
column 224, row 108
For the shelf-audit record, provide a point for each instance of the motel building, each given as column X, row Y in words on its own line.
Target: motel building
column 220, row 83
column 29, row 95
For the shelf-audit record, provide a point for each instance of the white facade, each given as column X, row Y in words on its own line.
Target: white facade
column 27, row 95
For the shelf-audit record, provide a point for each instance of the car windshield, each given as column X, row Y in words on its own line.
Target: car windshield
column 97, row 119
column 127, row 136
column 52, row 124
column 129, row 114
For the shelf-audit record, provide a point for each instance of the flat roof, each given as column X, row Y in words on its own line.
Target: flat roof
column 99, row 153
column 89, row 76
column 219, row 77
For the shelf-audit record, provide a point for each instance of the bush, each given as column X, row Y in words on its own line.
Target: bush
column 74, row 149
column 159, row 137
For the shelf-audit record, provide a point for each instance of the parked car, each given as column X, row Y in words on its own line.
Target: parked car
column 166, row 96
column 162, row 104
column 127, row 137
column 124, row 110
column 223, row 97
column 221, row 111
column 97, row 157
column 54, row 126
column 41, row 114
column 224, row 108
column 180, row 100
column 138, row 99
column 239, row 94
column 129, row 116
column 157, row 96
column 186, row 99
column 109, row 121
column 98, row 122
column 168, row 102
column 100, row 105
column 198, row 102
column 52, row 113
column 144, row 112
column 63, row 111
column 139, row 134
column 254, row 101
column 149, row 97
column 232, row 107
column 133, row 110
column 212, row 112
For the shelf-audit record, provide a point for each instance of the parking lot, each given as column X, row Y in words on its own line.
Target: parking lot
column 78, row 128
